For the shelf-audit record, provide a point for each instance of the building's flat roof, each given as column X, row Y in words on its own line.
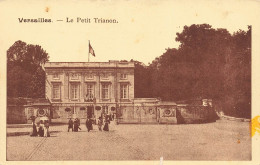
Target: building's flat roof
column 114, row 64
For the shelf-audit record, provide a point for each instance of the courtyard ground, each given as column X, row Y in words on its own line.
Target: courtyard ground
column 221, row 140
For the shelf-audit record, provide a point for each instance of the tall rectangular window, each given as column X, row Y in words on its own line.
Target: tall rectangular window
column 56, row 91
column 90, row 91
column 105, row 90
column 74, row 91
column 123, row 91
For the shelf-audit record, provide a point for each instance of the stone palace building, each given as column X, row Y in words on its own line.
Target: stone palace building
column 81, row 89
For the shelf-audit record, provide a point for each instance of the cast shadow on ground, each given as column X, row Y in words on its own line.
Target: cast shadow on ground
column 27, row 133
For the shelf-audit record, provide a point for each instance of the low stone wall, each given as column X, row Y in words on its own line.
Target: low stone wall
column 137, row 114
column 170, row 114
column 189, row 114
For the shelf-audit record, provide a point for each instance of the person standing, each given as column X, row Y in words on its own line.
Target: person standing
column 110, row 117
column 41, row 130
column 76, row 125
column 107, row 118
column 70, row 125
column 34, row 130
column 100, row 123
column 46, row 128
column 89, row 124
column 106, row 125
column 78, row 122
column 37, row 127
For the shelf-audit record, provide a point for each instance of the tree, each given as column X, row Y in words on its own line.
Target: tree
column 237, row 75
column 142, row 80
column 25, row 75
column 38, row 83
column 18, row 82
column 209, row 63
column 206, row 49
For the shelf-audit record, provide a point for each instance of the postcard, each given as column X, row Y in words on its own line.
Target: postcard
column 129, row 82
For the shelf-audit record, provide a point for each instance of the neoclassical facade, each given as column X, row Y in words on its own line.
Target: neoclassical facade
column 81, row 89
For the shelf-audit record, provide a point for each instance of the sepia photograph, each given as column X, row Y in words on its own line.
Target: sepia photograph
column 129, row 80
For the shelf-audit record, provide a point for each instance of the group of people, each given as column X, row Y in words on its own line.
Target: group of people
column 106, row 121
column 40, row 128
column 74, row 125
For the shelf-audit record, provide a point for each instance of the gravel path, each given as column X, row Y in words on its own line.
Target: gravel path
column 222, row 140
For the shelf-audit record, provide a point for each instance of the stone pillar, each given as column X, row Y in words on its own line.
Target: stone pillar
column 82, row 86
column 97, row 87
column 66, row 86
column 113, row 90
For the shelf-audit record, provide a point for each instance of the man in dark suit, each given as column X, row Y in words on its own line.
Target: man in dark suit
column 70, row 125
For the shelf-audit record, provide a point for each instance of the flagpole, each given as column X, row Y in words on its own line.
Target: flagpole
column 88, row 49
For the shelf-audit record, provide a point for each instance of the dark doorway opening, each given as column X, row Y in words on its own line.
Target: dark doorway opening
column 90, row 111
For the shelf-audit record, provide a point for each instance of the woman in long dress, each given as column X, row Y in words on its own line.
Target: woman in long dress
column 41, row 131
column 34, row 130
column 100, row 123
column 89, row 124
column 46, row 128
column 106, row 125
column 76, row 126
column 78, row 121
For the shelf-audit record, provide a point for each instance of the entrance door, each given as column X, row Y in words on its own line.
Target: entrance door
column 90, row 111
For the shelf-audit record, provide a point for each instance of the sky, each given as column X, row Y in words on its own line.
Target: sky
column 143, row 32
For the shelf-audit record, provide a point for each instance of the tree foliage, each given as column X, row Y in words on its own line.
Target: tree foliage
column 209, row 63
column 25, row 76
